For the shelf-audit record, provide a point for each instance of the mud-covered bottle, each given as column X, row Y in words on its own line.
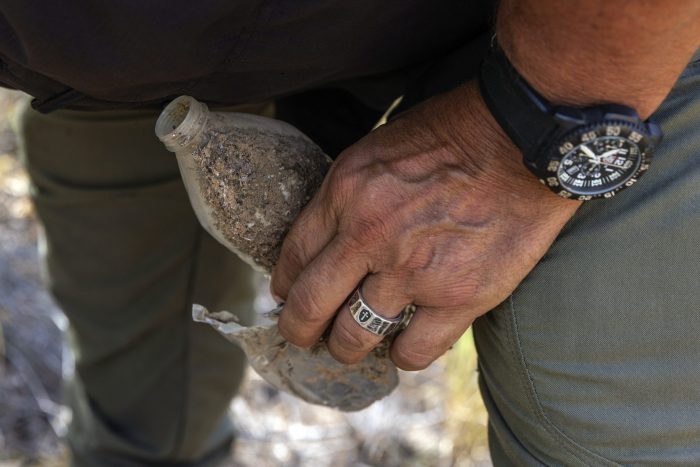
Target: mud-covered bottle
column 247, row 176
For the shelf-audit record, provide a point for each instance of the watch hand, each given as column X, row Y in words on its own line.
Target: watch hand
column 609, row 164
column 588, row 152
column 612, row 152
column 597, row 162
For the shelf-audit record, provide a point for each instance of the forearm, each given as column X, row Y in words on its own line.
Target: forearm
column 600, row 51
column 580, row 54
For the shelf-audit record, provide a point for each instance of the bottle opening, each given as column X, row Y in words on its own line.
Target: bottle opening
column 181, row 122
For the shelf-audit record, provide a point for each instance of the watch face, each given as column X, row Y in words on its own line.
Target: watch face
column 597, row 161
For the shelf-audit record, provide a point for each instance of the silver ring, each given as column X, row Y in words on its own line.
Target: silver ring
column 370, row 319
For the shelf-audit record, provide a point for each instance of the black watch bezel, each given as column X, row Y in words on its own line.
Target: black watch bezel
column 608, row 121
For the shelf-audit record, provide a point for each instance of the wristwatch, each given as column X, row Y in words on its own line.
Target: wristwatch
column 579, row 153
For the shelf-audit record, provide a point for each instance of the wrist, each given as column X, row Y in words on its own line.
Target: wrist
column 601, row 51
column 487, row 151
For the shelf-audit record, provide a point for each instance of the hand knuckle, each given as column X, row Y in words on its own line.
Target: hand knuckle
column 473, row 288
column 294, row 251
column 289, row 333
column 347, row 338
column 342, row 170
column 344, row 357
column 342, row 179
column 309, row 309
column 411, row 360
column 445, row 292
column 298, row 340
column 369, row 229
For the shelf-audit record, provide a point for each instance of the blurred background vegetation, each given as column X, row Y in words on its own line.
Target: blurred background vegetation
column 434, row 418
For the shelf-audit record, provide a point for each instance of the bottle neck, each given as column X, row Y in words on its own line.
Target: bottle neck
column 181, row 123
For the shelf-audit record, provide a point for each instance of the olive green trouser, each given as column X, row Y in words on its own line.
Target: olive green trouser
column 595, row 358
column 125, row 259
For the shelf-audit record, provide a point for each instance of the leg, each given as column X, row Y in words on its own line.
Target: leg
column 594, row 359
column 125, row 258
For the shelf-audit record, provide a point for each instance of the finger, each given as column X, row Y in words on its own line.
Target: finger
column 319, row 291
column 349, row 342
column 313, row 229
column 430, row 334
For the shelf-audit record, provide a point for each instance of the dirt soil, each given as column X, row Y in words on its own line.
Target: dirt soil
column 257, row 183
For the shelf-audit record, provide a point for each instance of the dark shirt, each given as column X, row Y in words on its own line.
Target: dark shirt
column 135, row 53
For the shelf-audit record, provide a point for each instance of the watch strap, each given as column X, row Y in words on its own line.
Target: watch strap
column 525, row 116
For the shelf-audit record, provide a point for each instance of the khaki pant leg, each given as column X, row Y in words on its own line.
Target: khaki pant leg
column 125, row 258
column 594, row 359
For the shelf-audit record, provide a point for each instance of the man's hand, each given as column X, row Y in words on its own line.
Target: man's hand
column 434, row 208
